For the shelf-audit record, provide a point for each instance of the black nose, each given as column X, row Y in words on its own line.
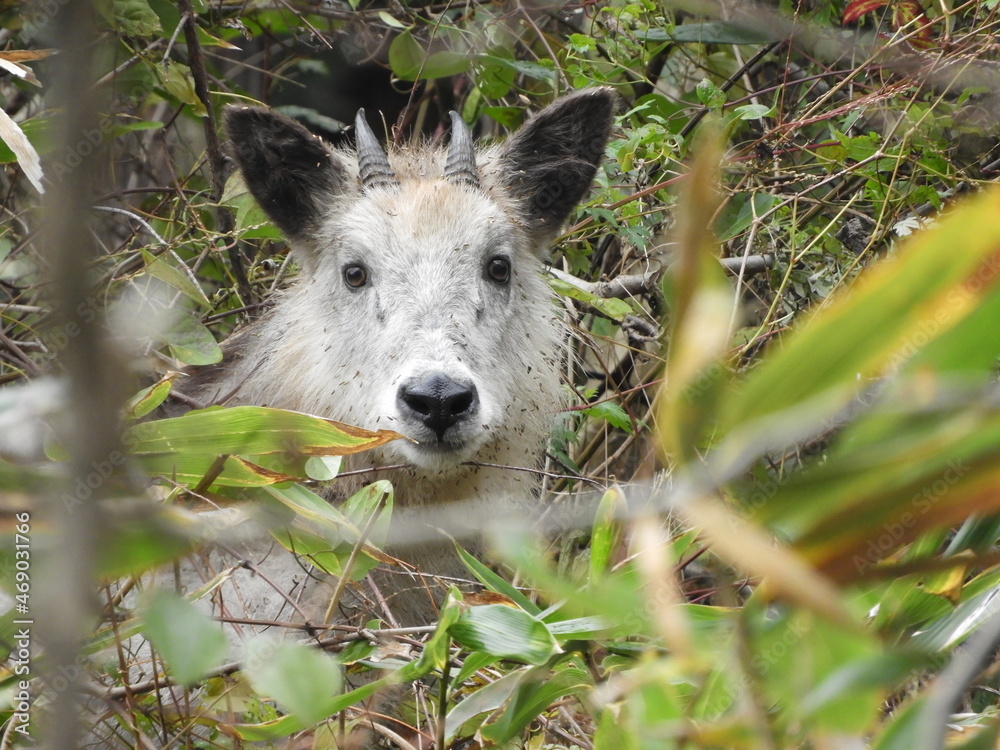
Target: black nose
column 438, row 401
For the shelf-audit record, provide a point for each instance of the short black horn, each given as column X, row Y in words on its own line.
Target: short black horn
column 460, row 168
column 373, row 165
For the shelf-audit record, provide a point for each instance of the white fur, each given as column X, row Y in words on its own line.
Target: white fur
column 428, row 308
column 341, row 353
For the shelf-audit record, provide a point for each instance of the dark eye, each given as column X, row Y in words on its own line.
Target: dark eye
column 498, row 270
column 355, row 276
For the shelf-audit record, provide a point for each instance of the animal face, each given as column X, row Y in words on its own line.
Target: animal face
column 428, row 295
column 421, row 306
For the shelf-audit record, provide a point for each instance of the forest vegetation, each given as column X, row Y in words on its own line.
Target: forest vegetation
column 781, row 445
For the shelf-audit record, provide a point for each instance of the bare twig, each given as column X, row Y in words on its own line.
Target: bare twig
column 634, row 285
column 748, row 264
column 620, row 287
column 110, row 76
column 349, row 565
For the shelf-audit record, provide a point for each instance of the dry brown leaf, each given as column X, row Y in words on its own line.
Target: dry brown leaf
column 25, row 55
column 10, row 61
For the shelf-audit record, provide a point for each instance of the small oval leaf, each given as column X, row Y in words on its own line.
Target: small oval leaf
column 189, row 642
column 301, row 679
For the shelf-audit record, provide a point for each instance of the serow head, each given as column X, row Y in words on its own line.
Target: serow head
column 421, row 305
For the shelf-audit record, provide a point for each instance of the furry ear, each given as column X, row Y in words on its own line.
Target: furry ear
column 290, row 171
column 549, row 164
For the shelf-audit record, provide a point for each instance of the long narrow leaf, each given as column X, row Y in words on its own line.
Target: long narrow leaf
column 928, row 288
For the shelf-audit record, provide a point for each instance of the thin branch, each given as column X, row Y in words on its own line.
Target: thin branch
column 109, row 77
column 352, row 559
column 216, row 159
column 537, row 472
column 748, row 264
column 620, row 287
column 634, row 285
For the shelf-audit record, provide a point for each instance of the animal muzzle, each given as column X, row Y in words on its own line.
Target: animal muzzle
column 438, row 403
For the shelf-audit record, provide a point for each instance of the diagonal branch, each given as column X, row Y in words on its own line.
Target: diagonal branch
column 213, row 147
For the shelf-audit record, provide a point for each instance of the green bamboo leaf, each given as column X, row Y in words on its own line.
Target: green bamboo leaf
column 983, row 735
column 606, row 534
column 977, row 534
column 326, row 536
column 505, row 632
column 535, row 692
column 252, row 431
column 496, row 583
column 189, row 469
column 619, row 599
column 245, row 446
column 905, row 730
column 701, row 302
column 614, row 734
column 929, row 287
column 373, row 499
column 970, row 348
column 488, row 698
column 578, row 627
column 310, row 506
column 953, row 629
column 892, row 477
column 807, row 656
column 877, row 672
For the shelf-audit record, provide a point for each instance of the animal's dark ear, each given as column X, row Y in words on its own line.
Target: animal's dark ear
column 550, row 162
column 290, row 171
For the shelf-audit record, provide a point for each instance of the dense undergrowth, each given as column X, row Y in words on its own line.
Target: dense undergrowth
column 785, row 465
